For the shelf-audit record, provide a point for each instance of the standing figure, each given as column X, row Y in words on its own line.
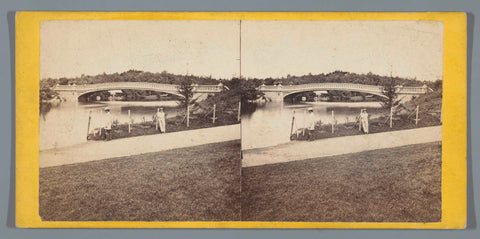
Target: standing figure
column 310, row 124
column 364, row 120
column 159, row 118
column 107, row 125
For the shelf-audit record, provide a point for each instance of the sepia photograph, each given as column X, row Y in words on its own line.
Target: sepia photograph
column 241, row 120
column 347, row 122
column 139, row 121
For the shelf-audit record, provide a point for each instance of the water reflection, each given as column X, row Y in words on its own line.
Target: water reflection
column 65, row 124
column 270, row 123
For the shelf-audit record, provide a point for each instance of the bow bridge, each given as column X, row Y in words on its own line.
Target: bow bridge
column 279, row 92
column 72, row 92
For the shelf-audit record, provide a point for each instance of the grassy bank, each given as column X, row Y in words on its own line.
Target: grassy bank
column 400, row 184
column 376, row 125
column 196, row 183
column 172, row 125
column 429, row 115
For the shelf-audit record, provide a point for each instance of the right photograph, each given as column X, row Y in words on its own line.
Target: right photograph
column 341, row 121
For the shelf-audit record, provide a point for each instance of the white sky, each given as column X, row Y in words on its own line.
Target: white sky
column 269, row 48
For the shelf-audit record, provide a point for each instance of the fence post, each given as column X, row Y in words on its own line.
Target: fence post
column 360, row 121
column 304, row 121
column 156, row 120
column 88, row 127
column 188, row 115
column 391, row 117
column 214, row 108
column 333, row 122
column 293, row 122
column 416, row 117
column 239, row 109
column 441, row 113
column 129, row 122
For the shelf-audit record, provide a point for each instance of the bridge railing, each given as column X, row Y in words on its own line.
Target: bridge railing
column 341, row 86
column 412, row 90
column 134, row 85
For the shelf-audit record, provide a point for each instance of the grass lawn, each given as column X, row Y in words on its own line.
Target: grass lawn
column 196, row 183
column 400, row 184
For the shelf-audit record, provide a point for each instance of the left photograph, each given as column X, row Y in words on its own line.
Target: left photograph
column 140, row 120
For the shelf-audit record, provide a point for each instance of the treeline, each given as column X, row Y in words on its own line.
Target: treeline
column 169, row 78
column 130, row 76
column 247, row 85
column 343, row 77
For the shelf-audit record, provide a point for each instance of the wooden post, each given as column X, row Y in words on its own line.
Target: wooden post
column 296, row 127
column 391, row 117
column 88, row 127
column 333, row 122
column 156, row 120
column 129, row 122
column 441, row 112
column 416, row 117
column 359, row 120
column 304, row 121
column 214, row 108
column 239, row 109
column 188, row 115
column 291, row 128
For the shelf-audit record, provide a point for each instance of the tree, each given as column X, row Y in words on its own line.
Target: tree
column 390, row 101
column 249, row 92
column 245, row 90
column 185, row 89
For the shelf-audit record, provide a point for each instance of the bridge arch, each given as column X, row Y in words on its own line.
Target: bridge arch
column 155, row 90
column 323, row 89
column 279, row 92
column 73, row 92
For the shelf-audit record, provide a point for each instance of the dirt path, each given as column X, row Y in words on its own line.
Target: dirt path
column 98, row 150
column 298, row 150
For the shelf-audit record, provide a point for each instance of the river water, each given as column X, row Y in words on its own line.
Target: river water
column 270, row 123
column 65, row 124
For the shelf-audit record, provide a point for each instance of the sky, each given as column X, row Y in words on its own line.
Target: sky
column 412, row 49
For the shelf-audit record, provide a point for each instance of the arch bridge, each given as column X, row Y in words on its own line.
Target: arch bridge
column 279, row 92
column 73, row 92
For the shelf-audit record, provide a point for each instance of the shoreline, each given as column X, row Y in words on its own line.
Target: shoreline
column 369, row 104
column 94, row 142
column 172, row 103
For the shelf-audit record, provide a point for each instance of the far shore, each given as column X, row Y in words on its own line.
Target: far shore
column 169, row 103
column 348, row 104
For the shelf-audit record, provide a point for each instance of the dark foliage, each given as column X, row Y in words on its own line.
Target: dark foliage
column 342, row 77
column 390, row 91
column 185, row 89
column 245, row 90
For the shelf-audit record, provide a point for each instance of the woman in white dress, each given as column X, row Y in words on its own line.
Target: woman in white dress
column 159, row 118
column 364, row 121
